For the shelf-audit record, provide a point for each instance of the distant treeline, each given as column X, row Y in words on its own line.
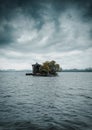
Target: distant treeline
column 77, row 70
column 63, row 70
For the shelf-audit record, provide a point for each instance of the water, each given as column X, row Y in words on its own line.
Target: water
column 45, row 103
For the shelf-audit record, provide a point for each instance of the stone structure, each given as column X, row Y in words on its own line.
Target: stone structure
column 35, row 68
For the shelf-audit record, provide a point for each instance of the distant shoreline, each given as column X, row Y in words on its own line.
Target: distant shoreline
column 77, row 70
column 66, row 70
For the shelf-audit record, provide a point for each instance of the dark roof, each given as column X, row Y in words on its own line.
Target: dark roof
column 36, row 64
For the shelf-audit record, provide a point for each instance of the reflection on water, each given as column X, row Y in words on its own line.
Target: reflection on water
column 45, row 103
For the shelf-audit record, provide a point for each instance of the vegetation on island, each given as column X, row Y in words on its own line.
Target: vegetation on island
column 48, row 68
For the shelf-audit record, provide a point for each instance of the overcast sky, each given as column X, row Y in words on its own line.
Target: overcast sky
column 40, row 30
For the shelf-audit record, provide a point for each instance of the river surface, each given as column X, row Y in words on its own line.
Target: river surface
column 46, row 103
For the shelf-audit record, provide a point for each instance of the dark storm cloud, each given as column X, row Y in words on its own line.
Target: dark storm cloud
column 6, row 34
column 34, row 9
column 8, row 7
column 44, row 29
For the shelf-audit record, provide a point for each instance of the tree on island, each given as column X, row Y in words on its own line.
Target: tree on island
column 49, row 68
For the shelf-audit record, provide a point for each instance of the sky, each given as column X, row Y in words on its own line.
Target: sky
column 42, row 30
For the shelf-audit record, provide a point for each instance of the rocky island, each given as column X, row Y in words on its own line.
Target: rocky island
column 48, row 68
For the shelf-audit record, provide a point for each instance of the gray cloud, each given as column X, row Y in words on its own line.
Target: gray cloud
column 33, row 31
column 6, row 33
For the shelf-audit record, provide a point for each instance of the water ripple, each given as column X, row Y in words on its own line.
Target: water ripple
column 43, row 103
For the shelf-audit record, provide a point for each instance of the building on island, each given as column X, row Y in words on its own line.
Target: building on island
column 35, row 68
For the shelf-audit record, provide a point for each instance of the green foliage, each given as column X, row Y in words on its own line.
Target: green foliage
column 44, row 69
column 49, row 67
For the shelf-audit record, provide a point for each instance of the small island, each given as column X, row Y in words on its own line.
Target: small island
column 48, row 68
